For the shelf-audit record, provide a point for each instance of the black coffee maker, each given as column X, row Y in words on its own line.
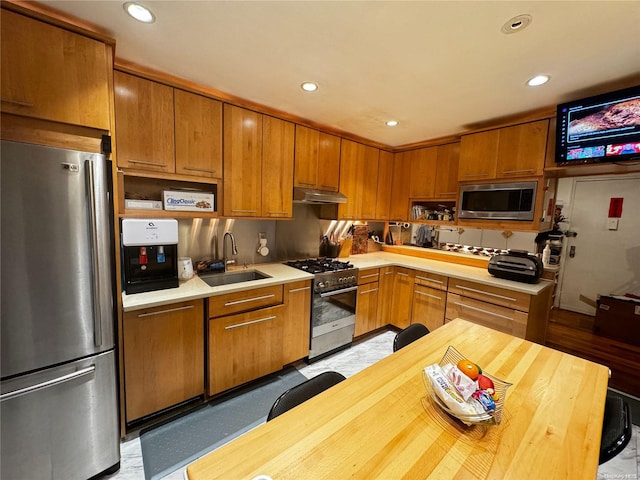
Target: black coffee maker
column 149, row 254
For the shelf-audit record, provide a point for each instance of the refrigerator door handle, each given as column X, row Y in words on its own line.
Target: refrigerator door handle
column 95, row 287
column 49, row 383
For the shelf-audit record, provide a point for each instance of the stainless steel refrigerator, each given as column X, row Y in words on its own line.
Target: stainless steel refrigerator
column 59, row 409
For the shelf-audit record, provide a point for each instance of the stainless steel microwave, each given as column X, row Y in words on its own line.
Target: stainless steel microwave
column 498, row 201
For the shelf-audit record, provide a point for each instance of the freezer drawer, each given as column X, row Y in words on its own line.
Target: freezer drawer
column 61, row 423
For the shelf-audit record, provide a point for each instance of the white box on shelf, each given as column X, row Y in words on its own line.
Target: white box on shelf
column 188, row 201
column 143, row 204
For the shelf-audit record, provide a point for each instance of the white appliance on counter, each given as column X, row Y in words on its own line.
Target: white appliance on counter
column 58, row 399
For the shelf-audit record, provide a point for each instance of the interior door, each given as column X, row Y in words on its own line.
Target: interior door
column 604, row 261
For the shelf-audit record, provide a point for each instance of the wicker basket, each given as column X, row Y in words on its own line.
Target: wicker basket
column 492, row 418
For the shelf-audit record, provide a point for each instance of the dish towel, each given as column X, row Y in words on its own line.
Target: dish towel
column 423, row 237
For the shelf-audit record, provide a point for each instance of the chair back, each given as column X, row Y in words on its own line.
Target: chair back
column 410, row 334
column 303, row 392
column 616, row 427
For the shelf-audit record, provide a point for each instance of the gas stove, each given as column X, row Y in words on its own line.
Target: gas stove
column 329, row 274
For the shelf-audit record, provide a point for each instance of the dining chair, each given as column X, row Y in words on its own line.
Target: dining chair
column 410, row 334
column 303, row 392
column 616, row 427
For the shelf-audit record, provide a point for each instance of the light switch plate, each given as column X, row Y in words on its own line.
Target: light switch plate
column 612, row 224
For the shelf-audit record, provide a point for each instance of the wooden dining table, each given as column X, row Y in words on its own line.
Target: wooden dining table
column 381, row 423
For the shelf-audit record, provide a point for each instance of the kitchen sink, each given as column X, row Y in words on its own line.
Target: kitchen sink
column 227, row 278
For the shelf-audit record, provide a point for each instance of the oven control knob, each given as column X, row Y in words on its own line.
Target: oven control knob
column 352, row 278
column 321, row 284
column 341, row 280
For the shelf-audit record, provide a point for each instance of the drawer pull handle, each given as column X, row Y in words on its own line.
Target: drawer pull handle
column 473, row 175
column 15, row 102
column 402, row 274
column 195, row 169
column 169, row 310
column 277, row 213
column 448, row 193
column 429, row 279
column 482, row 311
column 429, row 295
column 329, row 186
column 368, row 291
column 299, row 289
column 370, row 276
column 244, row 324
column 511, row 172
column 307, row 183
column 388, row 273
column 254, row 299
column 486, row 293
column 49, row 383
column 143, row 162
column 244, row 211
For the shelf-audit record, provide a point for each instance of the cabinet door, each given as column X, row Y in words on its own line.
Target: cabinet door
column 144, row 124
column 198, row 135
column 522, row 149
column 428, row 306
column 244, row 347
column 385, row 174
column 297, row 321
column 242, row 162
column 328, row 162
column 446, row 187
column 349, row 173
column 402, row 300
column 367, row 308
column 368, row 181
column 399, row 208
column 478, row 156
column 277, row 167
column 306, row 157
column 53, row 74
column 385, row 295
column 423, row 172
column 163, row 357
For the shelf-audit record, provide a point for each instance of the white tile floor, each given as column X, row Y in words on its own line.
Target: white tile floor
column 625, row 466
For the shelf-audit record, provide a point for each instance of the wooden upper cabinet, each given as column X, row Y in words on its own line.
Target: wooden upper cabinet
column 423, row 172
column 144, row 124
column 198, row 135
column 399, row 208
column 317, row 159
column 522, row 150
column 358, row 181
column 242, row 162
column 478, row 156
column 446, row 185
column 385, row 174
column 53, row 74
column 277, row 167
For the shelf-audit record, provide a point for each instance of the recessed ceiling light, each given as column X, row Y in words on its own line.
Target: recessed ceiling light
column 538, row 80
column 391, row 123
column 516, row 24
column 309, row 86
column 139, row 12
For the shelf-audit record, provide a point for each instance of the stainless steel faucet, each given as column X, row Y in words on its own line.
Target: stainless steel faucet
column 234, row 249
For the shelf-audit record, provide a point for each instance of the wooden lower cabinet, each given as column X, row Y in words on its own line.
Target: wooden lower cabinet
column 513, row 322
column 163, row 357
column 402, row 299
column 297, row 321
column 428, row 306
column 385, row 295
column 244, row 347
column 367, row 308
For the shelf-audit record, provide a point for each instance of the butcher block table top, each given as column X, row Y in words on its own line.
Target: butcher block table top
column 374, row 424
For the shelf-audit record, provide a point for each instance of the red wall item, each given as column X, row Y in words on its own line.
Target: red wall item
column 615, row 207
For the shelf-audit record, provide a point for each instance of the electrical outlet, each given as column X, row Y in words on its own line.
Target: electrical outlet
column 637, row 310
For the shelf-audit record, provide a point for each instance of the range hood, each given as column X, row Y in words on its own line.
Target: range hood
column 310, row 195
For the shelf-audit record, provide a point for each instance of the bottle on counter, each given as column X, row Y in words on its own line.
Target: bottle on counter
column 546, row 254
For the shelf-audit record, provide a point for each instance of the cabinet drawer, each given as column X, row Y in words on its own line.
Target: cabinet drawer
column 495, row 295
column 244, row 301
column 513, row 322
column 368, row 276
column 431, row 280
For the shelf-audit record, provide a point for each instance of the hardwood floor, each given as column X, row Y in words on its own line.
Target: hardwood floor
column 572, row 333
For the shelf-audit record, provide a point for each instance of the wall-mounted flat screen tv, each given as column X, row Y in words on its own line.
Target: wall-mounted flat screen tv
column 604, row 128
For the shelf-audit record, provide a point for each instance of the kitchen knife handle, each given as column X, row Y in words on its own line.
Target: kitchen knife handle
column 95, row 284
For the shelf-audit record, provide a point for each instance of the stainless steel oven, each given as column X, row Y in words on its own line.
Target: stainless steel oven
column 333, row 305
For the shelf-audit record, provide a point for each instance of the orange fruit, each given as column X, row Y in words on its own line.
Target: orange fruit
column 470, row 369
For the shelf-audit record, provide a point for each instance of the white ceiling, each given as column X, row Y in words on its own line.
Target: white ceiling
column 438, row 67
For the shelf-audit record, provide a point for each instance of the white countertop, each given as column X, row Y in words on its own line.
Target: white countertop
column 280, row 273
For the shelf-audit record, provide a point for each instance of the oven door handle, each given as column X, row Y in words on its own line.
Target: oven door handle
column 338, row 292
